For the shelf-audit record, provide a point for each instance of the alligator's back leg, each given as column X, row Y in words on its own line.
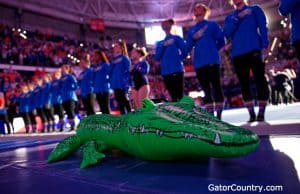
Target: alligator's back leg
column 92, row 153
column 64, row 149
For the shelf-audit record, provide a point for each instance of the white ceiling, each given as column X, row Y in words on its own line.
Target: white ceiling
column 126, row 13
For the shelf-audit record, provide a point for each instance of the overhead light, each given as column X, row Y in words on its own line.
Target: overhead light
column 23, row 35
column 274, row 43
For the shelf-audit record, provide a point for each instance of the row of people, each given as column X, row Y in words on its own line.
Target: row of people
column 46, row 97
column 206, row 38
column 246, row 29
column 119, row 75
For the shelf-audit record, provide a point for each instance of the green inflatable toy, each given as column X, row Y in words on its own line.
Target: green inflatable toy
column 164, row 132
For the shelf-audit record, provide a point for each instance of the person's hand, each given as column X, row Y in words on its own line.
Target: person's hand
column 228, row 47
column 200, row 33
column 225, row 48
column 264, row 54
column 131, row 68
column 157, row 63
column 78, row 92
column 244, row 13
column 151, row 52
column 169, row 42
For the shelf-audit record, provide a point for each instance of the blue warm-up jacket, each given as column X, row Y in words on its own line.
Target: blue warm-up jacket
column 86, row 82
column 119, row 72
column 56, row 91
column 101, row 77
column 170, row 52
column 248, row 33
column 292, row 7
column 207, row 46
column 69, row 87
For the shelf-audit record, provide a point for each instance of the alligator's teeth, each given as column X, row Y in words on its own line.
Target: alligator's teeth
column 143, row 129
column 188, row 135
column 132, row 130
column 217, row 139
column 161, row 133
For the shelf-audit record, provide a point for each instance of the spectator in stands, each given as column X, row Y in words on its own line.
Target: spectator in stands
column 246, row 27
column 120, row 76
column 101, row 80
column 3, row 113
column 292, row 8
column 283, row 87
column 86, row 84
column 139, row 70
column 206, row 37
column 170, row 52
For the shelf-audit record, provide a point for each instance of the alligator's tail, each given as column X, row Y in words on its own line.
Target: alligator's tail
column 65, row 148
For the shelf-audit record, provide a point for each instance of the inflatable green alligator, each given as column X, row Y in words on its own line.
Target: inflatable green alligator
column 164, row 132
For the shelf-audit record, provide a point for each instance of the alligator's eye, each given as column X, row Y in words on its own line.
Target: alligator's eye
column 217, row 139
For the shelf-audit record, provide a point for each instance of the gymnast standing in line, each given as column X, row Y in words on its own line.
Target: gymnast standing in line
column 246, row 28
column 86, row 84
column 206, row 37
column 69, row 98
column 120, row 76
column 139, row 70
column 170, row 52
column 56, row 98
column 101, row 80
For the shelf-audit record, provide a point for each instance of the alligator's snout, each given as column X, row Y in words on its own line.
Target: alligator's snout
column 235, row 142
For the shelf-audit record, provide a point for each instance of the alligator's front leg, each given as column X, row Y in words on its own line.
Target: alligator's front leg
column 92, row 153
column 65, row 148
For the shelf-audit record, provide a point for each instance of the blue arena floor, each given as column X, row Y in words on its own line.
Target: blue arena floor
column 274, row 167
column 24, row 170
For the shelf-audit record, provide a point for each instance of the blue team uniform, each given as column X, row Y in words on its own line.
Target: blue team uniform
column 139, row 72
column 101, row 77
column 170, row 52
column 207, row 46
column 69, row 87
column 249, row 33
column 85, row 82
column 119, row 72
column 56, row 92
column 46, row 93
